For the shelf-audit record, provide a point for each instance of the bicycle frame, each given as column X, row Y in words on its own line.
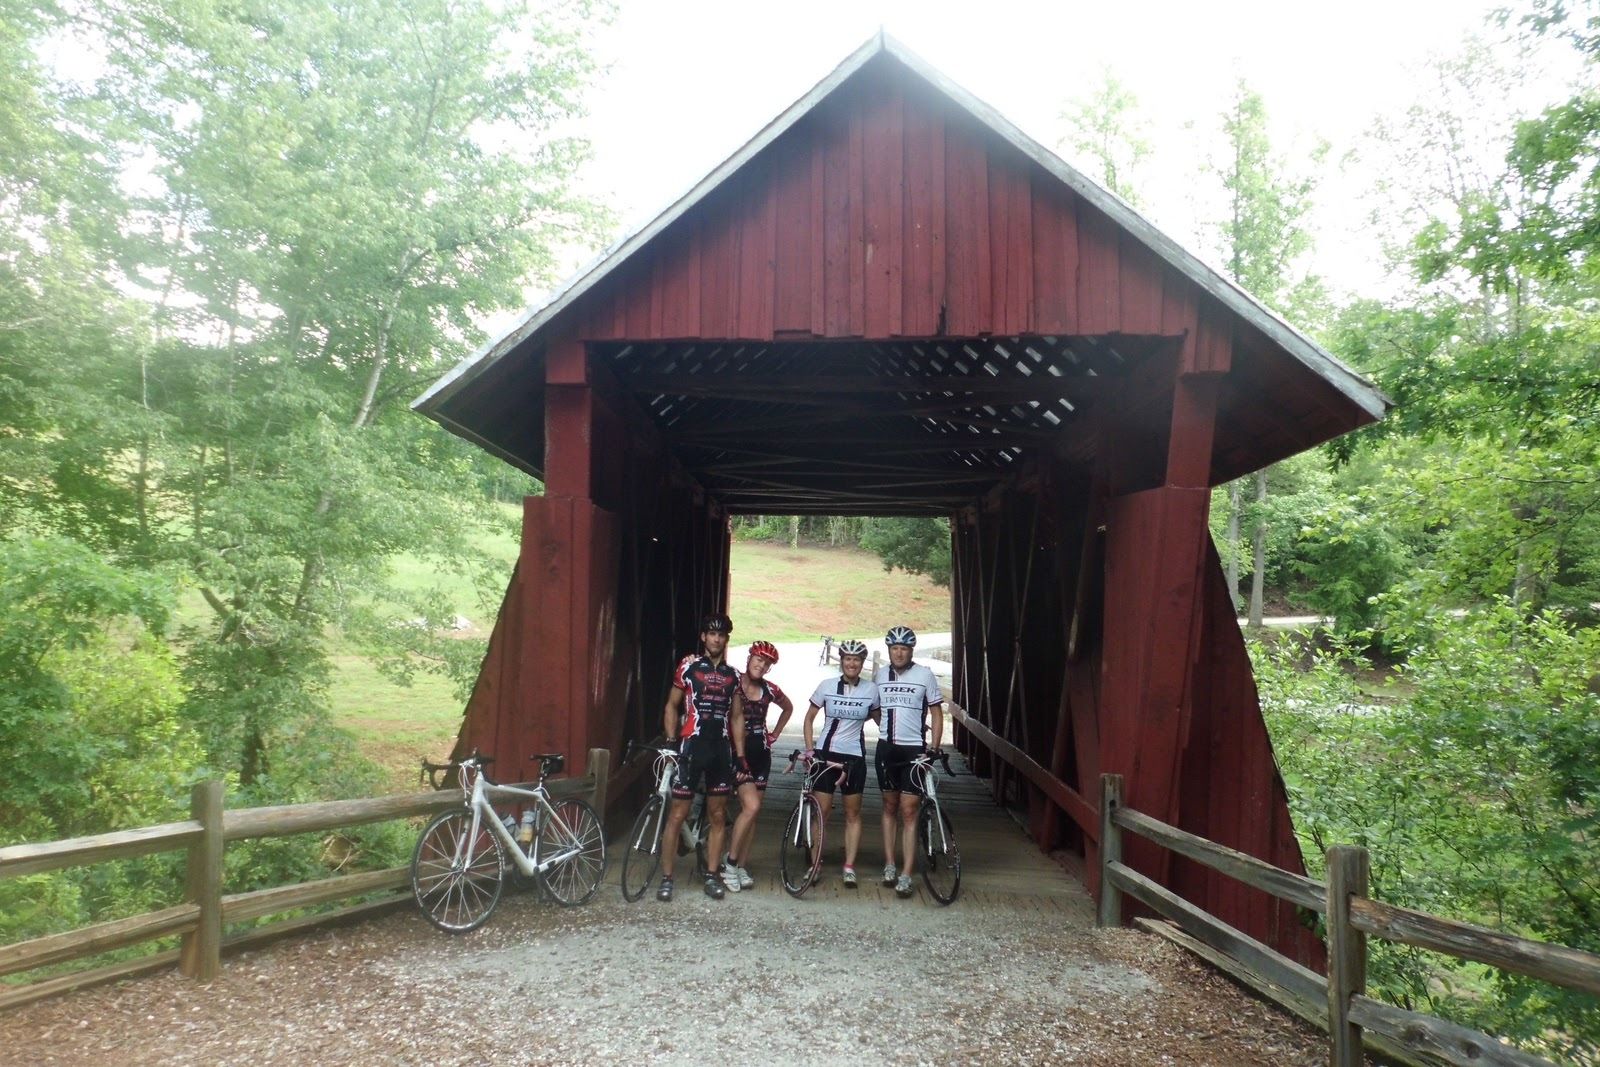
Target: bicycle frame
column 478, row 799
column 922, row 766
column 666, row 761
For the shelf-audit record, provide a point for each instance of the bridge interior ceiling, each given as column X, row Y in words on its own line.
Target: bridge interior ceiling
column 912, row 427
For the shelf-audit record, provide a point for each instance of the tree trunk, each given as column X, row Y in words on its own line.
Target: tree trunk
column 794, row 531
column 1234, row 504
column 1258, row 545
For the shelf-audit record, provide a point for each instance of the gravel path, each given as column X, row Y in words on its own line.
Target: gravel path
column 862, row 977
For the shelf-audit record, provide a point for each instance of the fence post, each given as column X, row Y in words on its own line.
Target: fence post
column 1110, row 913
column 1348, row 875
column 201, row 954
column 600, row 771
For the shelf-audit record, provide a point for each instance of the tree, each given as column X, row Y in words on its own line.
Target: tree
column 1105, row 128
column 1262, row 241
column 331, row 198
column 919, row 546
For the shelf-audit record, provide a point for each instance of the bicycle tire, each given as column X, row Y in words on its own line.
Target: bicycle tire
column 642, row 856
column 573, row 826
column 800, row 854
column 941, row 858
column 457, row 883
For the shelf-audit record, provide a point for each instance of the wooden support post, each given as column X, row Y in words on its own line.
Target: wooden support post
column 200, row 956
column 600, row 770
column 1110, row 913
column 1348, row 874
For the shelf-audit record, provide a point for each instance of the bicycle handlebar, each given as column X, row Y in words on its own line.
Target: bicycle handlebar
column 430, row 770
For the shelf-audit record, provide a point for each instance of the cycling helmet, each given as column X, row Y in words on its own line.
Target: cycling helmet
column 852, row 647
column 901, row 635
column 716, row 623
column 766, row 650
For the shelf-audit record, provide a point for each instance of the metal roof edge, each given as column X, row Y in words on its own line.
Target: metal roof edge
column 620, row 250
column 1319, row 360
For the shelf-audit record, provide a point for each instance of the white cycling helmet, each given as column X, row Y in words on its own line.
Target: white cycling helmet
column 852, row 647
column 901, row 635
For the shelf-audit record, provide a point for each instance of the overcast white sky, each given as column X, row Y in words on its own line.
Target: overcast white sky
column 692, row 80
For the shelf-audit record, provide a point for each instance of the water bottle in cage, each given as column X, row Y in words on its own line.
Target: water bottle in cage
column 525, row 838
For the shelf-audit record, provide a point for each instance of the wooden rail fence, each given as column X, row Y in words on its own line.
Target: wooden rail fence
column 1337, row 1003
column 206, row 909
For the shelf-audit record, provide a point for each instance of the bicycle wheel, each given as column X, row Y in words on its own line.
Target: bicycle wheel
column 456, row 881
column 938, row 854
column 643, row 853
column 800, row 855
column 573, row 832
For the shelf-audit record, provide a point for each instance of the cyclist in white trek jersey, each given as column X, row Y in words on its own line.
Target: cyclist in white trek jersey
column 907, row 691
column 847, row 702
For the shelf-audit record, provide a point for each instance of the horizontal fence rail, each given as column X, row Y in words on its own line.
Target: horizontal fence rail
column 1337, row 1003
column 200, row 920
column 1060, row 793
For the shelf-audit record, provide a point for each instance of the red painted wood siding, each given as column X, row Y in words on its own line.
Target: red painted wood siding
column 882, row 213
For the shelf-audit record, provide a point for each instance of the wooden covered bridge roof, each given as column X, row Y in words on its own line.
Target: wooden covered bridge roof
column 888, row 301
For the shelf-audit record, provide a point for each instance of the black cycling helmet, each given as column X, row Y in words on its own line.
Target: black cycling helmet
column 716, row 623
column 901, row 635
column 852, row 647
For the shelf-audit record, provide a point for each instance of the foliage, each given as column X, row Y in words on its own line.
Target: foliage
column 1104, row 127
column 918, row 546
column 1478, row 798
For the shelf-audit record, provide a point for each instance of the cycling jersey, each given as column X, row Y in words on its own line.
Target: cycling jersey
column 906, row 696
column 708, row 690
column 755, row 712
column 845, row 708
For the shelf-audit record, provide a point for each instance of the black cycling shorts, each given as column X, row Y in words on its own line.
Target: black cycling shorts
column 705, row 763
column 759, row 757
column 852, row 781
column 893, row 763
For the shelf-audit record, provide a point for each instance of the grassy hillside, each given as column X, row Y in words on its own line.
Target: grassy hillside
column 796, row 594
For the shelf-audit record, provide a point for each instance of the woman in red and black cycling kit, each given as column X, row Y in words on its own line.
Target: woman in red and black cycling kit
column 759, row 694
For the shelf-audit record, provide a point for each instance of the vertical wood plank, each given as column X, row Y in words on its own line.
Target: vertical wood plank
column 200, row 955
column 837, row 207
column 719, row 262
column 680, row 281
column 924, row 276
column 1099, row 273
column 757, row 252
column 884, row 188
column 1110, row 909
column 599, row 769
column 1180, row 315
column 818, row 224
column 792, row 276
column 1010, row 245
column 855, row 240
column 636, row 284
column 1140, row 283
column 1055, row 258
column 1348, row 875
column 967, row 264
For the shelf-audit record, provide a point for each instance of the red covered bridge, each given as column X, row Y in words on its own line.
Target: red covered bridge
column 893, row 302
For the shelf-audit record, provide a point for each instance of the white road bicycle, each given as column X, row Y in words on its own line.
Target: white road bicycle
column 642, row 856
column 463, row 856
column 937, row 853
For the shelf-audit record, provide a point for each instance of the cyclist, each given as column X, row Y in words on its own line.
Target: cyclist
column 846, row 702
column 759, row 695
column 701, row 706
column 907, row 692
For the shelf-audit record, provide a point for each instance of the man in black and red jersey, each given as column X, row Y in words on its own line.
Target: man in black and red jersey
column 701, row 708
column 760, row 694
